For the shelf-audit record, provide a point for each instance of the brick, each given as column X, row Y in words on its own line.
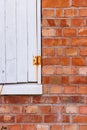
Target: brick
column 55, row 89
column 59, row 70
column 78, row 3
column 17, row 99
column 48, row 51
column 79, row 41
column 14, row 127
column 29, row 118
column 83, row 51
column 45, row 99
column 82, row 32
column 55, row 127
column 29, row 127
column 71, row 51
column 59, row 51
column 65, row 79
column 83, row 70
column 78, row 61
column 55, row 3
column 48, row 32
column 47, row 13
column 83, row 127
column 45, row 109
column 16, row 109
column 69, row 32
column 59, row 13
column 65, row 119
column 59, row 32
column 83, row 12
column 51, row 80
column 45, row 89
column 77, row 22
column 71, row 99
column 72, row 109
column 82, row 89
column 83, row 110
column 7, row 119
column 42, row 127
column 70, row 70
column 4, row 109
column 79, row 119
column 69, row 89
column 70, row 12
column 51, row 118
column 79, row 80
column 57, row 109
column 31, row 109
column 70, row 127
column 48, row 69
column 55, row 42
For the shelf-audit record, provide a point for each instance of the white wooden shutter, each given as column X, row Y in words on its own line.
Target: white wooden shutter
column 18, row 40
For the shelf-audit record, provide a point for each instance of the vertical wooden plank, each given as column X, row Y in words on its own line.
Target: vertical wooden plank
column 32, row 40
column 2, row 41
column 21, row 41
column 10, row 41
column 39, row 36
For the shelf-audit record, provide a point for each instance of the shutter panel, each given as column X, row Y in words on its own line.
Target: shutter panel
column 2, row 42
column 21, row 41
column 10, row 41
column 32, row 40
column 18, row 41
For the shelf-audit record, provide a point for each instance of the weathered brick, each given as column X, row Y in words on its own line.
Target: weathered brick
column 71, row 127
column 80, row 61
column 55, row 3
column 83, row 12
column 69, row 89
column 72, row 109
column 83, row 109
column 79, row 80
column 82, row 89
column 70, row 12
column 69, row 32
column 80, row 119
column 42, row 127
column 70, row 70
column 83, row 127
column 45, row 99
column 56, row 127
column 55, row 89
column 71, row 51
column 77, row 22
column 29, row 118
column 47, row 13
column 14, row 127
column 48, row 70
column 48, row 32
column 78, row 3
column 59, row 13
column 17, row 99
column 29, row 127
column 82, row 32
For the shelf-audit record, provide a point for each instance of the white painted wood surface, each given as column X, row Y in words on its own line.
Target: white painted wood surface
column 20, row 40
column 21, row 89
column 11, row 75
column 32, row 40
column 2, row 41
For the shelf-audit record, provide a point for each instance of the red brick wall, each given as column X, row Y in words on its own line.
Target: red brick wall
column 63, row 105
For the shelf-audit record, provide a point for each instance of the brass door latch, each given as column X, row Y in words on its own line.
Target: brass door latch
column 37, row 60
